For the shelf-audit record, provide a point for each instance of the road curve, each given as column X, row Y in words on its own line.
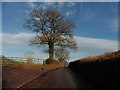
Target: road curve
column 65, row 78
column 58, row 78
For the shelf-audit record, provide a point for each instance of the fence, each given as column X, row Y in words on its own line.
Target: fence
column 21, row 59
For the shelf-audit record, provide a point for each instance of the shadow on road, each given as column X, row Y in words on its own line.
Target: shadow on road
column 65, row 78
column 80, row 81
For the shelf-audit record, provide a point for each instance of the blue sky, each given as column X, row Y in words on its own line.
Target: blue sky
column 96, row 29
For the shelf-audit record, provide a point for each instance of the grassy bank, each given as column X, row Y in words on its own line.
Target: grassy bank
column 100, row 71
column 32, row 66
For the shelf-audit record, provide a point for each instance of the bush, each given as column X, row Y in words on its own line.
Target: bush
column 100, row 73
column 49, row 61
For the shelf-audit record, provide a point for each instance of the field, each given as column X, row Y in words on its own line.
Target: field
column 101, row 71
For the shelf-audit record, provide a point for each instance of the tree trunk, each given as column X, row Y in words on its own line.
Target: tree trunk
column 51, row 51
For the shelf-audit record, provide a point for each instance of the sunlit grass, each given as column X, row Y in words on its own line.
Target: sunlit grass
column 106, row 56
column 32, row 66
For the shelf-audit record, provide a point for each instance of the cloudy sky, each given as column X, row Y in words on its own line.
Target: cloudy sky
column 96, row 29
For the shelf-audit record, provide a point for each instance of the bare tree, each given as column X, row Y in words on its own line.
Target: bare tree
column 52, row 29
column 29, row 55
column 61, row 54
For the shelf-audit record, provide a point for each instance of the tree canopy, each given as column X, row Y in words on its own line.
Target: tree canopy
column 52, row 29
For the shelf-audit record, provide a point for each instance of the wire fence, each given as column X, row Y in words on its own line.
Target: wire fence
column 22, row 59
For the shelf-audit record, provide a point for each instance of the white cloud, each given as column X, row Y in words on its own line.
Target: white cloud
column 17, row 44
column 71, row 4
column 70, row 12
column 46, row 5
column 96, row 43
column 88, row 14
column 57, row 0
column 0, row 44
column 40, row 54
column 31, row 4
column 60, row 0
column 86, row 46
column 32, row 0
column 16, row 40
column 113, row 24
column 75, row 0
column 27, row 12
column 60, row 6
column 92, row 47
column 81, row 6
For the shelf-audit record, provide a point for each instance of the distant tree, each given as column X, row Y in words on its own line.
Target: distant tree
column 29, row 55
column 61, row 54
column 52, row 29
column 2, row 59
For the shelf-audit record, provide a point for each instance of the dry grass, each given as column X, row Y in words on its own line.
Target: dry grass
column 24, row 65
column 32, row 66
column 106, row 56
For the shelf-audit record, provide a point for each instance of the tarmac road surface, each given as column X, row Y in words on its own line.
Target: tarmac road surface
column 58, row 78
column 65, row 78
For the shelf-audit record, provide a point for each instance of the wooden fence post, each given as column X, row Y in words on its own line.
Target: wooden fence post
column 11, row 59
column 21, row 59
